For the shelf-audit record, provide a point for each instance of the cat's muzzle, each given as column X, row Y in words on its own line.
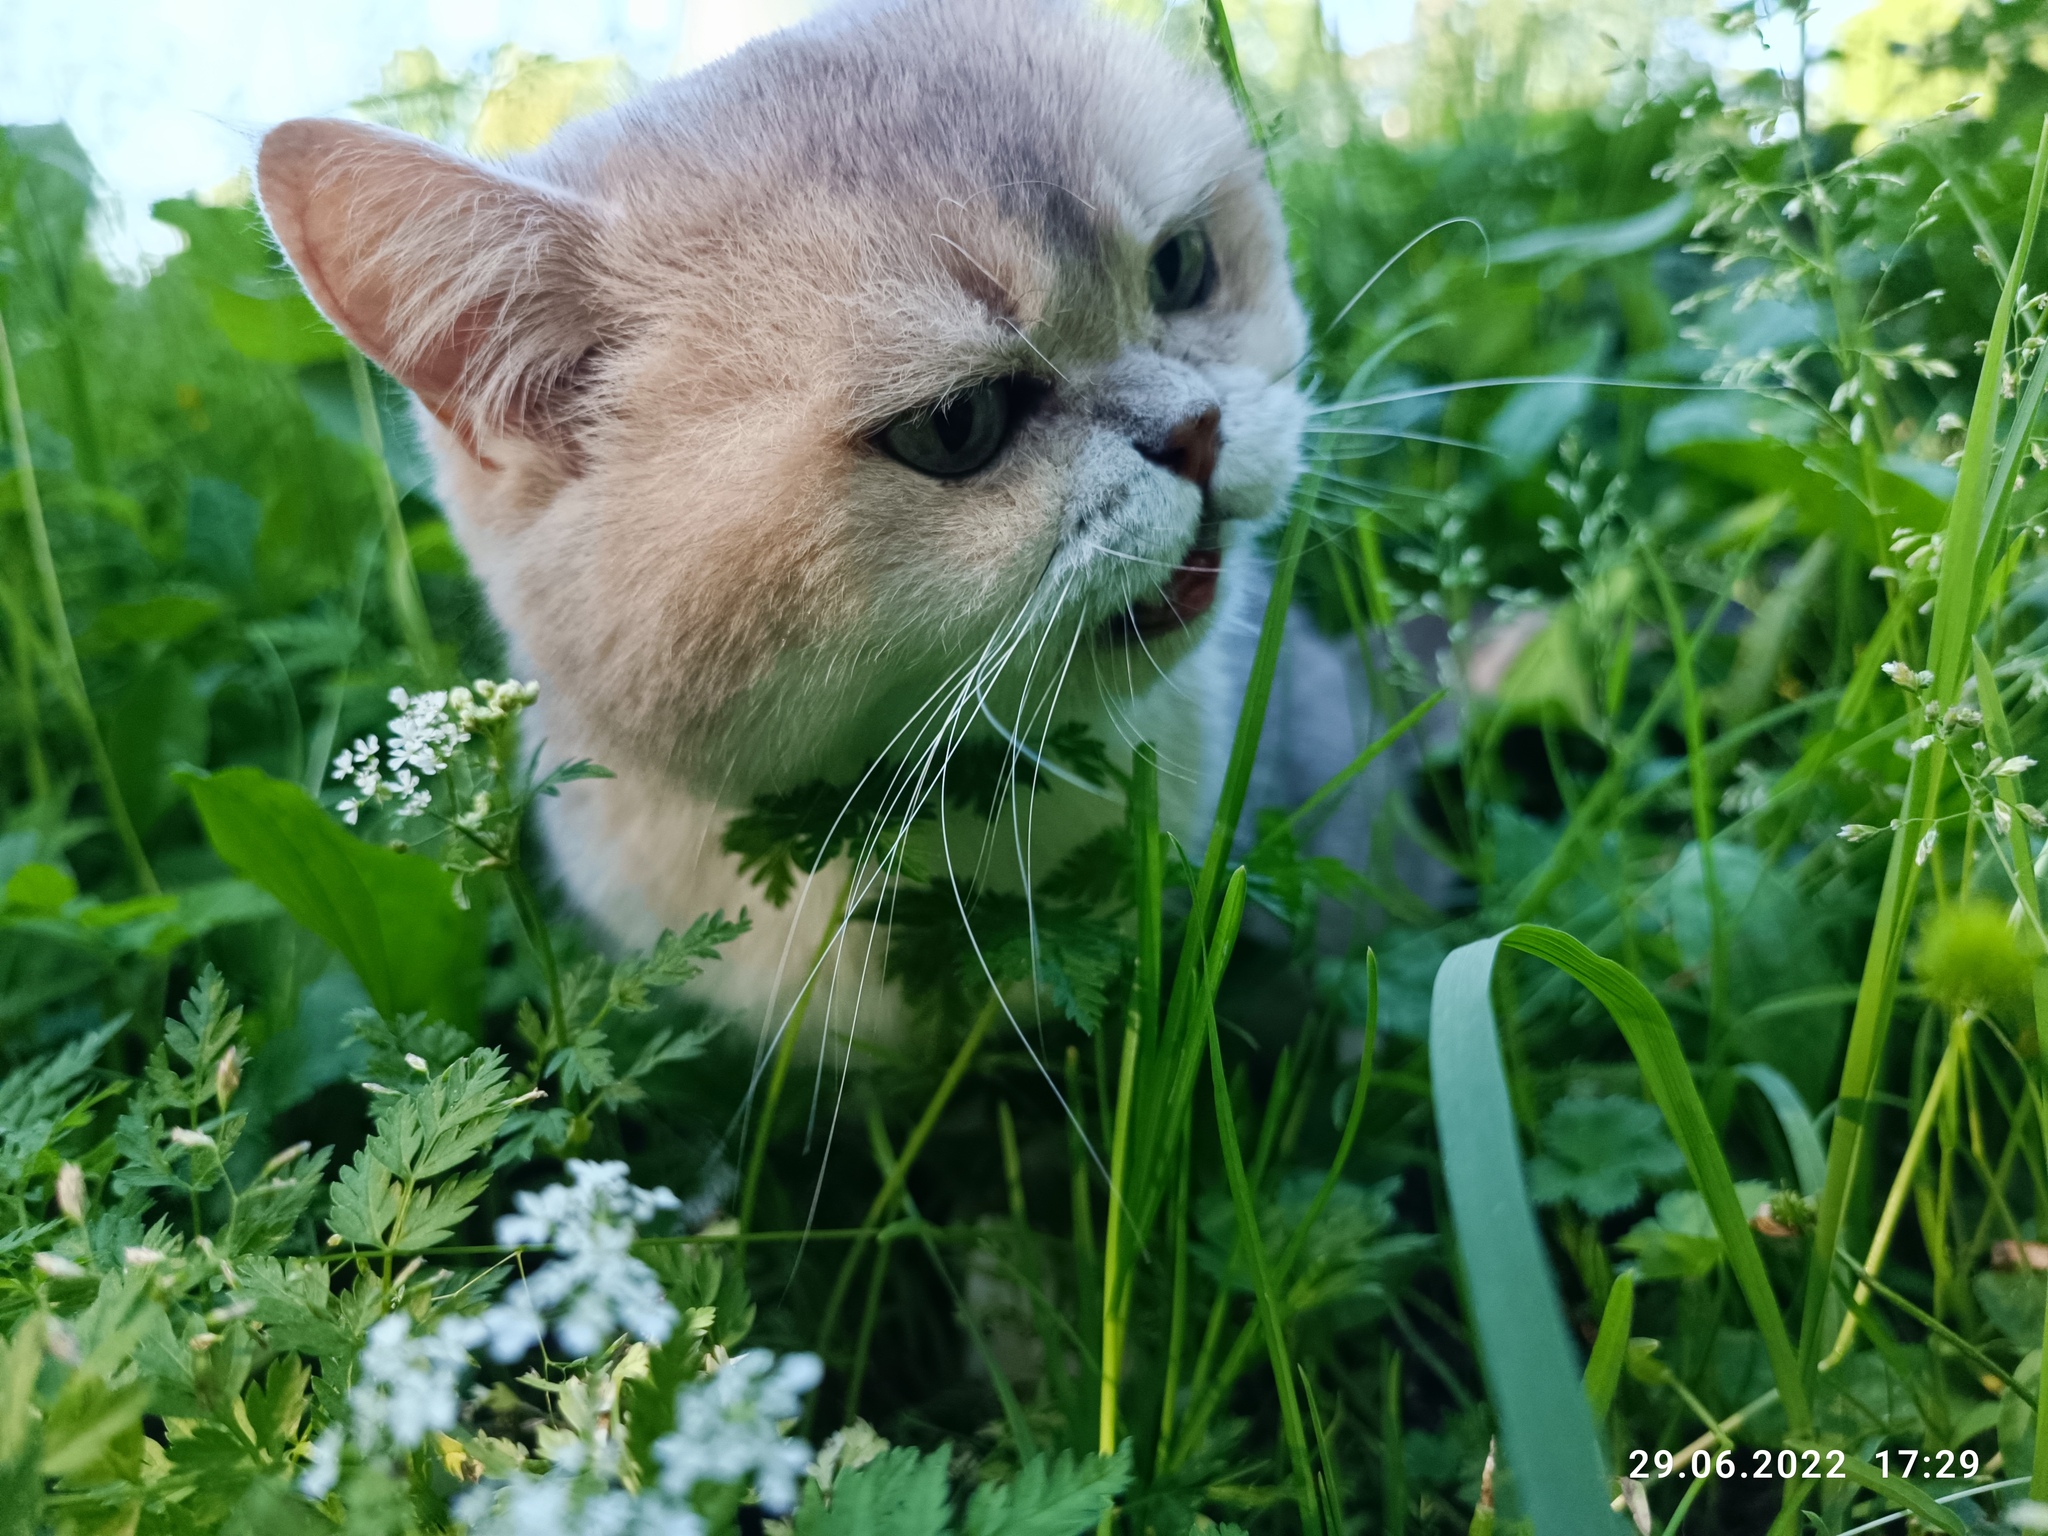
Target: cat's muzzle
column 1187, row 593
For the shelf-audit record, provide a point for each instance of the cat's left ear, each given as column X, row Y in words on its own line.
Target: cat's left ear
column 472, row 287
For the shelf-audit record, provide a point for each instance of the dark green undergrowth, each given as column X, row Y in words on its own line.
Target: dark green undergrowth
column 1674, row 1154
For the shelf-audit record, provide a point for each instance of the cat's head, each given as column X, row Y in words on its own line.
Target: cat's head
column 769, row 402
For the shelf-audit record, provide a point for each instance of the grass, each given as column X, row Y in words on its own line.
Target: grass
column 1682, row 1108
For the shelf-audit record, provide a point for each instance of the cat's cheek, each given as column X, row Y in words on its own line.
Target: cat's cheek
column 1260, row 457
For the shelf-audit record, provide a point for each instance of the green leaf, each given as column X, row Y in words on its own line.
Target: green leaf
column 363, row 1203
column 1905, row 1494
column 1546, row 1425
column 1050, row 1496
column 42, row 889
column 899, row 1493
column 1597, row 1153
column 675, row 959
column 392, row 915
column 1801, row 1139
column 1610, row 1346
column 1680, row 1242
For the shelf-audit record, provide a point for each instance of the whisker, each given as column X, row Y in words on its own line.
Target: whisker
column 1428, row 391
column 1386, row 267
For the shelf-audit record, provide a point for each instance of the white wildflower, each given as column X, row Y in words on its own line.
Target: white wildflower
column 2008, row 767
column 1857, row 832
column 416, row 1062
column 546, row 1506
column 323, row 1464
column 728, row 1428
column 424, row 735
column 595, row 1288
column 1916, row 747
column 407, row 1383
column 1901, row 674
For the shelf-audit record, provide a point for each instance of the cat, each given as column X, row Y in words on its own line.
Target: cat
column 863, row 388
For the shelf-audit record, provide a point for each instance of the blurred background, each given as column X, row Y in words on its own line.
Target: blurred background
column 167, row 98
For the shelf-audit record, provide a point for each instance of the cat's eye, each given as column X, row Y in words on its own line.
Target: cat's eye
column 1183, row 271
column 955, row 437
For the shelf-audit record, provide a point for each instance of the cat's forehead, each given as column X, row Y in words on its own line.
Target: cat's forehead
column 948, row 118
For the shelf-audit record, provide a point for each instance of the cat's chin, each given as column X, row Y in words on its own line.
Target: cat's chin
column 1183, row 599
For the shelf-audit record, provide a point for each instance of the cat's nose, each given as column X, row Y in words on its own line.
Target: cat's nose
column 1189, row 450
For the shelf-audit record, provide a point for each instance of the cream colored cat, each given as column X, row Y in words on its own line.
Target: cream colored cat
column 856, row 390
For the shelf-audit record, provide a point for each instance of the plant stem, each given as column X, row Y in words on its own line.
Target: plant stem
column 401, row 580
column 785, row 1051
column 892, row 1185
column 1116, row 1285
column 527, row 906
column 1902, row 1183
column 71, row 681
column 1253, row 1240
column 1682, row 646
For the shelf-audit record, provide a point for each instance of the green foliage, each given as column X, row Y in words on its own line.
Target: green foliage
column 382, row 1200
column 1597, row 1153
column 393, row 916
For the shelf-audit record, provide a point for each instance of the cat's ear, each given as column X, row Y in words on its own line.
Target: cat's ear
column 470, row 286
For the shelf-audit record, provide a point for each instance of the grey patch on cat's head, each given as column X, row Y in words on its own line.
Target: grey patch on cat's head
column 659, row 350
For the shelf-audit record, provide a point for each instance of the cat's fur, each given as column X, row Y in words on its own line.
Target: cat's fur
column 652, row 357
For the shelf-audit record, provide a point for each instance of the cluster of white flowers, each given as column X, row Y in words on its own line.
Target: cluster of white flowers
column 595, row 1288
column 410, row 1384
column 728, row 1430
column 728, row 1427
column 407, row 1385
column 547, row 1506
column 422, row 741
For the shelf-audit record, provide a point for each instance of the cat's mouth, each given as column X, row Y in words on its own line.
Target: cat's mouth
column 1185, row 595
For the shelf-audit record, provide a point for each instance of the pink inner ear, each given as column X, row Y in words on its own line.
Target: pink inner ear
column 451, row 276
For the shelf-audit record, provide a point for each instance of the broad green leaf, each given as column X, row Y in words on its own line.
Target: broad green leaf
column 392, row 915
column 1546, row 1426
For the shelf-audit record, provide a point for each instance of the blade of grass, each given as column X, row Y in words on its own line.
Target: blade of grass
column 1902, row 1183
column 899, row 1168
column 1393, row 1462
column 1694, row 715
column 70, row 679
column 1801, row 1139
column 1253, row 1241
column 1610, row 1345
column 1934, row 1325
column 792, row 1027
column 1956, row 598
column 1668, row 1076
column 401, row 581
column 1332, row 1498
column 1906, row 1495
column 1546, row 1424
column 1954, row 620
column 1116, row 1284
column 1222, row 46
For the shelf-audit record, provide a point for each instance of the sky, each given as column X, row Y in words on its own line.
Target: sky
column 169, row 96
